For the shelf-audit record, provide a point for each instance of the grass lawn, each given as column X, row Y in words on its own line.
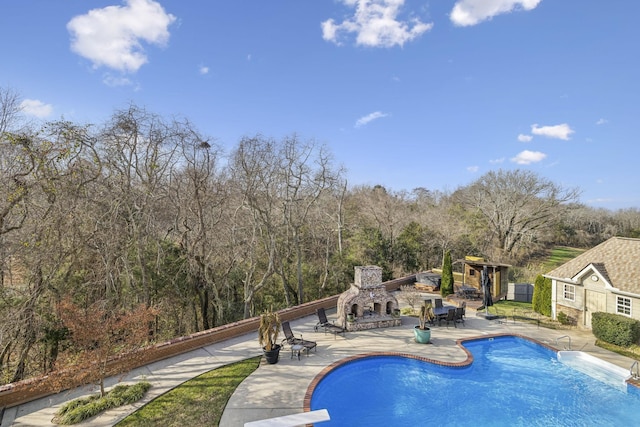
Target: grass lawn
column 559, row 255
column 197, row 402
column 509, row 308
column 523, row 311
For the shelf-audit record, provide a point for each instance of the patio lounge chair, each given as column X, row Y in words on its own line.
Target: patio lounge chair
column 324, row 323
column 292, row 340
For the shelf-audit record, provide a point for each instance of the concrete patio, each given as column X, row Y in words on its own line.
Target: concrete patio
column 278, row 390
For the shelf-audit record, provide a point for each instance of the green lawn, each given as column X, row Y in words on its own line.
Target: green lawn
column 522, row 311
column 197, row 402
column 508, row 308
column 559, row 255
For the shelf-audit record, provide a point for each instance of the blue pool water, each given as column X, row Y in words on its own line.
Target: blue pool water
column 511, row 382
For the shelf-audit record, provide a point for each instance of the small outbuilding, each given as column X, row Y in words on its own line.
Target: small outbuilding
column 498, row 273
column 605, row 278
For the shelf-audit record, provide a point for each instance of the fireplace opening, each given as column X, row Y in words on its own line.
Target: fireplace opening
column 389, row 307
column 354, row 309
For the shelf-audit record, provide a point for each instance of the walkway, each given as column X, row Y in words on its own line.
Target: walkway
column 277, row 390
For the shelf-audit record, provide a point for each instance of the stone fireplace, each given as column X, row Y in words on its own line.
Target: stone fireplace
column 367, row 304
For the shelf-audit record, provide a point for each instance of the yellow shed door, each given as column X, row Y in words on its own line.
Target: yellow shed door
column 594, row 301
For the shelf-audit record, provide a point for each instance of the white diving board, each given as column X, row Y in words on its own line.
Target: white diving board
column 293, row 420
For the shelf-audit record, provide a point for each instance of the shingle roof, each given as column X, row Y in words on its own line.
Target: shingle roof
column 617, row 260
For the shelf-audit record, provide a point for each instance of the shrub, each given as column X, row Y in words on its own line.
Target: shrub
column 79, row 410
column 411, row 296
column 615, row 329
column 564, row 319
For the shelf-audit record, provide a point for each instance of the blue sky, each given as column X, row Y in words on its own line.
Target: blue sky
column 405, row 93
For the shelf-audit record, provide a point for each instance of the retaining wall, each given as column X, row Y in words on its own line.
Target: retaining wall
column 35, row 388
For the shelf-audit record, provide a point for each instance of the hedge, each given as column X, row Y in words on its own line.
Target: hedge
column 615, row 329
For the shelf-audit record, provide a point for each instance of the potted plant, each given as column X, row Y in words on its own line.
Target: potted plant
column 395, row 313
column 268, row 336
column 421, row 331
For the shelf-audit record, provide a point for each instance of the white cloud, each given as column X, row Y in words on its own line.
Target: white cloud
column 376, row 24
column 602, row 121
column 527, row 157
column 562, row 131
column 472, row 169
column 203, row 70
column 115, row 81
column 112, row 36
column 369, row 118
column 472, row 12
column 524, row 138
column 497, row 161
column 34, row 107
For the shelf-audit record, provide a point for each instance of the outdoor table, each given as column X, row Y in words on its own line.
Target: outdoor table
column 296, row 349
column 469, row 292
column 441, row 312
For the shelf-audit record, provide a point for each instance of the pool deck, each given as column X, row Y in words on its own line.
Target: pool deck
column 279, row 390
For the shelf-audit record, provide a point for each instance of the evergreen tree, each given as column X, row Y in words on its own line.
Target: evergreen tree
column 446, row 286
column 541, row 301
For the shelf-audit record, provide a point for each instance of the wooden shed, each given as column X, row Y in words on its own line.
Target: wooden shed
column 498, row 273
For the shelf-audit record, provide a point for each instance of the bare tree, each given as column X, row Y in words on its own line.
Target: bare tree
column 411, row 296
column 307, row 173
column 199, row 199
column 37, row 232
column 254, row 170
column 9, row 110
column 139, row 151
column 516, row 206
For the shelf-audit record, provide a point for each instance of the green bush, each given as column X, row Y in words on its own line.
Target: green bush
column 79, row 410
column 541, row 301
column 564, row 319
column 615, row 329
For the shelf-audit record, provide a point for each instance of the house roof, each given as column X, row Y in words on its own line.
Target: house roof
column 617, row 260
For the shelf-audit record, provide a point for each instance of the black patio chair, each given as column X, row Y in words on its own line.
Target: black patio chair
column 438, row 302
column 459, row 316
column 451, row 317
column 292, row 340
column 324, row 323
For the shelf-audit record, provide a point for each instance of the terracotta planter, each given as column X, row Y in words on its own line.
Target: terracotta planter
column 423, row 336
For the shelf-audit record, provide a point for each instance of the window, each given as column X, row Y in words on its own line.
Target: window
column 623, row 306
column 569, row 292
column 472, row 272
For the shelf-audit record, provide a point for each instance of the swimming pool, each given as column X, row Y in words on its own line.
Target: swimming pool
column 512, row 381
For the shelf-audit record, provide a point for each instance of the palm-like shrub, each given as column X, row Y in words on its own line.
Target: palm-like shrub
column 269, row 330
